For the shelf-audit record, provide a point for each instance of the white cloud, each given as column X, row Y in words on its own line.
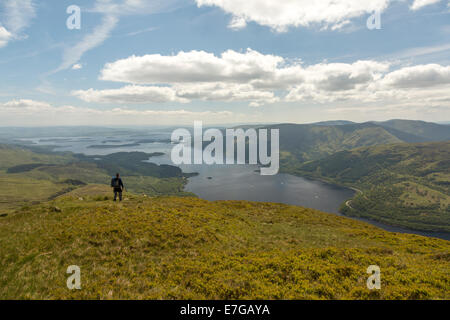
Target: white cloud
column 344, row 76
column 222, row 91
column 422, row 84
column 237, row 23
column 130, row 95
column 5, row 36
column 134, row 33
column 193, row 66
column 280, row 15
column 198, row 75
column 419, row 4
column 77, row 66
column 421, row 76
column 14, row 19
column 25, row 105
column 24, row 112
column 136, row 94
column 251, row 68
column 234, row 76
column 17, row 14
column 260, row 79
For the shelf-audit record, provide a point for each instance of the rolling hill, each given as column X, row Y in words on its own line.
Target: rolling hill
column 427, row 130
column 306, row 142
column 311, row 142
column 402, row 184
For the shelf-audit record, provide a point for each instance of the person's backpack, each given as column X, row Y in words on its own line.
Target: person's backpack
column 116, row 183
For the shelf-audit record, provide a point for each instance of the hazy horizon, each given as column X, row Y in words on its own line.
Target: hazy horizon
column 109, row 126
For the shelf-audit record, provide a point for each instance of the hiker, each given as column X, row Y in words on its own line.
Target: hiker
column 117, row 184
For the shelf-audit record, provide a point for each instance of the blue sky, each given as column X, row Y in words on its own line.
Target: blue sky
column 220, row 61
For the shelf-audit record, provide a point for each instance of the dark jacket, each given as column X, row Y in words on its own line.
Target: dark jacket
column 117, row 185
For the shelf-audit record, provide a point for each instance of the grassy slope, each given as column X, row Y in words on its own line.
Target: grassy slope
column 402, row 184
column 13, row 156
column 21, row 189
column 51, row 179
column 187, row 248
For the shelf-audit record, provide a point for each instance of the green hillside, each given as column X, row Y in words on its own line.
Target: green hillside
column 187, row 248
column 32, row 177
column 301, row 143
column 402, row 184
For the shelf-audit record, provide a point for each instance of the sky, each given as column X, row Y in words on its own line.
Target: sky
column 170, row 62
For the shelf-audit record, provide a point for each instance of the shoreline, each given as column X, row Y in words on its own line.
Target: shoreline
column 387, row 227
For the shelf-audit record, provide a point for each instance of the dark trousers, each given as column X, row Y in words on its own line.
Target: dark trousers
column 120, row 194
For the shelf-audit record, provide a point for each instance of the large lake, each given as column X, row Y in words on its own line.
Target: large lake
column 229, row 182
column 240, row 182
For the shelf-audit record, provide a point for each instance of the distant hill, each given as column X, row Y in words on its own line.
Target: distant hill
column 311, row 142
column 305, row 142
column 427, row 130
column 402, row 184
column 332, row 123
column 187, row 248
column 30, row 177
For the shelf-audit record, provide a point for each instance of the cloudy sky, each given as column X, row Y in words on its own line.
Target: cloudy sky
column 149, row 62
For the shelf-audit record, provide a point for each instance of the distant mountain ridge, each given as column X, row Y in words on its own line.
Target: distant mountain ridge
column 305, row 142
column 427, row 130
column 332, row 123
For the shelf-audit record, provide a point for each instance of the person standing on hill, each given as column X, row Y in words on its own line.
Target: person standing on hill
column 117, row 184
